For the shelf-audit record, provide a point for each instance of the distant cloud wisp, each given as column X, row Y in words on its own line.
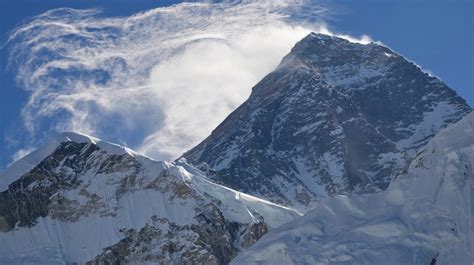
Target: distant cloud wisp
column 159, row 80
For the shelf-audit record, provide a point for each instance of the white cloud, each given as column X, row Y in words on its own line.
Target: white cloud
column 160, row 80
column 20, row 154
column 199, row 87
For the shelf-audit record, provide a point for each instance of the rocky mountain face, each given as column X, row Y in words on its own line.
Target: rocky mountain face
column 91, row 202
column 426, row 216
column 335, row 117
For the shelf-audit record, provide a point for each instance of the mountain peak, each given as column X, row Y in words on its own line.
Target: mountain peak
column 28, row 162
column 318, row 50
column 109, row 147
column 325, row 39
column 112, row 204
column 336, row 117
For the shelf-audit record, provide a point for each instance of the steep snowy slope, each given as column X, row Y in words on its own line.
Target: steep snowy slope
column 334, row 118
column 87, row 200
column 424, row 217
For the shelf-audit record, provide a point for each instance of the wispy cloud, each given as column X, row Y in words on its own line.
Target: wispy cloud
column 20, row 154
column 160, row 80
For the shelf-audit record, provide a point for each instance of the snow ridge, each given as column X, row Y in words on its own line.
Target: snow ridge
column 85, row 200
column 25, row 164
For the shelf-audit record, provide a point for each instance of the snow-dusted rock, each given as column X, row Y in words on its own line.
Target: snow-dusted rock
column 334, row 118
column 79, row 199
column 425, row 216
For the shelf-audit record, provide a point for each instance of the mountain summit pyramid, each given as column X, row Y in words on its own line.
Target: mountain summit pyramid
column 335, row 117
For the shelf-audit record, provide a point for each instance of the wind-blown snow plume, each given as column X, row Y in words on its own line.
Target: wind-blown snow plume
column 159, row 80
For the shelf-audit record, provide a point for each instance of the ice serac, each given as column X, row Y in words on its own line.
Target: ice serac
column 335, row 117
column 86, row 201
column 424, row 217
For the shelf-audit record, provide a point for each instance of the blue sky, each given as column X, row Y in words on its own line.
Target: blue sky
column 437, row 35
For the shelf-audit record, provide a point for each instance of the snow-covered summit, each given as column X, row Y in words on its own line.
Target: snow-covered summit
column 320, row 50
column 79, row 199
column 425, row 217
column 25, row 164
column 335, row 117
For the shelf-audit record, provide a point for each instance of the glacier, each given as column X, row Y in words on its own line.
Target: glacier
column 424, row 217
